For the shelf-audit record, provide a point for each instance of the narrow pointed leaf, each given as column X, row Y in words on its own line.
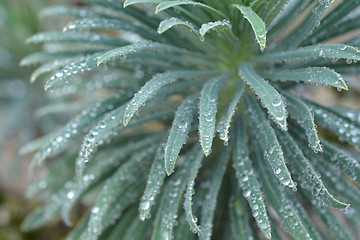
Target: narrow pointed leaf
column 81, row 37
column 122, row 52
column 332, row 155
column 110, row 125
column 334, row 51
column 72, row 11
column 306, row 172
column 136, row 230
column 224, row 123
column 256, row 22
column 207, row 110
column 42, row 57
column 114, row 185
column 268, row 141
column 105, row 23
column 154, row 182
column 352, row 115
column 313, row 75
column 342, row 160
column 303, row 115
column 152, row 86
column 75, row 67
column 100, row 168
column 191, row 219
column 218, row 25
column 282, row 205
column 179, row 131
column 305, row 28
column 239, row 218
column 170, row 201
column 246, row 178
column 74, row 127
column 337, row 229
column 269, row 97
column 79, row 229
column 341, row 187
column 304, row 216
column 209, row 203
column 342, row 127
column 130, row 2
column 126, row 197
column 170, row 23
column 169, row 4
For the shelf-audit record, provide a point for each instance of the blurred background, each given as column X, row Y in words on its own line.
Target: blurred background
column 19, row 101
column 22, row 115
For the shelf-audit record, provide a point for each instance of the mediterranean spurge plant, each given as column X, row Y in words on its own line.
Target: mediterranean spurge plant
column 177, row 92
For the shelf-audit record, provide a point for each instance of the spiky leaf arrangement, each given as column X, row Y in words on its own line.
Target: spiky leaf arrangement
column 177, row 92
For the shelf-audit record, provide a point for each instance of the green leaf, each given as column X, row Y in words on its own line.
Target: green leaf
column 136, row 230
column 256, row 22
column 60, row 140
column 122, row 52
column 76, row 66
column 276, row 197
column 119, row 230
column 350, row 114
column 336, row 182
column 313, row 75
column 223, row 124
column 207, row 110
column 306, row 172
column 39, row 217
column 343, row 128
column 179, row 131
column 239, row 217
column 209, row 203
column 154, row 182
column 68, row 11
column 333, row 51
column 342, row 160
column 268, row 141
column 191, row 219
column 337, row 230
column 81, row 37
column 124, row 200
column 79, row 229
column 106, row 23
column 304, row 116
column 305, row 28
column 269, row 97
column 112, row 188
column 42, row 57
column 304, row 216
column 170, row 201
column 246, row 177
column 130, row 2
column 169, row 4
column 169, row 23
column 218, row 25
column 51, row 66
column 152, row 86
column 101, row 167
column 110, row 124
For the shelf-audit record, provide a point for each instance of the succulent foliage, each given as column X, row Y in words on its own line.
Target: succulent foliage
column 193, row 118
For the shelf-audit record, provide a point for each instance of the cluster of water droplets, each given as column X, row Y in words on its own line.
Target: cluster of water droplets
column 83, row 64
column 346, row 130
column 290, row 218
column 153, row 184
column 171, row 22
column 217, row 26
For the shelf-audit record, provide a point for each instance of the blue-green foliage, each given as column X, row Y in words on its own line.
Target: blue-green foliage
column 158, row 79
